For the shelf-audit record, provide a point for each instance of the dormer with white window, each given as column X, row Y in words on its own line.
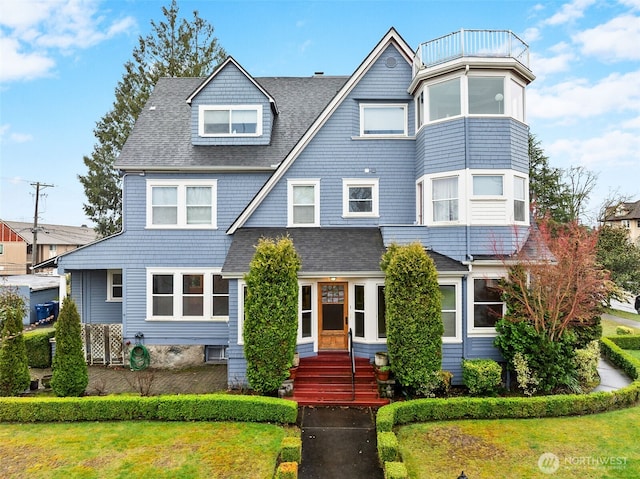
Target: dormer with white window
column 231, row 108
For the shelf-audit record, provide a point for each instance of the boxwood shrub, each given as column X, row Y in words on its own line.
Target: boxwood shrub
column 206, row 407
column 395, row 470
column 38, row 347
column 481, row 376
column 626, row 342
column 388, row 448
column 291, row 449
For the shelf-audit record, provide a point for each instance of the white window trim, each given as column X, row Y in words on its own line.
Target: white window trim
column 457, row 283
column 241, row 285
column 428, row 198
column 110, row 297
column 316, row 211
column 357, row 182
column 526, row 198
column 230, row 108
column 474, row 331
column 314, row 312
column 405, row 134
column 182, row 185
column 427, row 103
column 177, row 295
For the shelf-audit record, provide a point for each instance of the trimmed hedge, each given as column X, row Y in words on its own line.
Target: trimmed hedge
column 388, row 447
column 38, row 347
column 207, row 407
column 291, row 449
column 481, row 376
column 395, row 470
column 626, row 342
column 287, row 470
column 423, row 410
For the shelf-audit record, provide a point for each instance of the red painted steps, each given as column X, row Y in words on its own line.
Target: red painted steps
column 325, row 380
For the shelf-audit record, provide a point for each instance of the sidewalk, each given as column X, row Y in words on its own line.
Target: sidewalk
column 339, row 443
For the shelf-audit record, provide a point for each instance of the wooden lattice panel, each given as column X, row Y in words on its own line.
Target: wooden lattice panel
column 116, row 351
column 98, row 344
column 84, row 328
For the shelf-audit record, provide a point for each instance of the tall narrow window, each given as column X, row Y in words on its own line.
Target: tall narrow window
column 382, row 322
column 220, row 299
column 192, row 295
column 305, row 310
column 303, row 203
column 449, row 310
column 517, row 101
column 114, row 285
column 420, row 202
column 359, row 310
column 519, row 203
column 162, row 295
column 445, row 199
column 199, row 205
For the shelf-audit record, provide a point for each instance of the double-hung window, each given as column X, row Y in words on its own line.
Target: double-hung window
column 383, row 119
column 358, row 310
column 181, row 204
column 306, row 310
column 360, row 198
column 187, row 295
column 488, row 306
column 234, row 120
column 445, row 199
column 304, row 203
column 519, row 200
column 114, row 285
column 449, row 311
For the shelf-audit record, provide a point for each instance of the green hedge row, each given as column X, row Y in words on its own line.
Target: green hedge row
column 209, row 407
column 38, row 347
column 422, row 410
column 626, row 342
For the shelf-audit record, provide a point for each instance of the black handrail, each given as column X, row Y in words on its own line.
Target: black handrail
column 353, row 366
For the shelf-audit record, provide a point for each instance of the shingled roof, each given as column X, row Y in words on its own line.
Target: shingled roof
column 161, row 137
column 324, row 250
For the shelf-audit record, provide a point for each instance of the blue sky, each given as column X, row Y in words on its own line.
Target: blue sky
column 60, row 61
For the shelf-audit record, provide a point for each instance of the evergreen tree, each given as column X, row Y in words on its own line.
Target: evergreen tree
column 271, row 313
column 620, row 257
column 176, row 47
column 70, row 375
column 414, row 317
column 14, row 367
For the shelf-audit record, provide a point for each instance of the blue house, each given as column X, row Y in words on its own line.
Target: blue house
column 427, row 145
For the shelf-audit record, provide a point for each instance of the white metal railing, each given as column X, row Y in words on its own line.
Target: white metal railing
column 471, row 43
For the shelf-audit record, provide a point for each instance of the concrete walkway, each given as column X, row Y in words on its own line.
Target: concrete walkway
column 339, row 443
column 611, row 378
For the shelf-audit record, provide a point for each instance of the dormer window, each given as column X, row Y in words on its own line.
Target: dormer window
column 234, row 120
column 383, row 120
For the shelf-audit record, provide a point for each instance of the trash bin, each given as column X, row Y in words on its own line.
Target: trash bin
column 55, row 308
column 42, row 312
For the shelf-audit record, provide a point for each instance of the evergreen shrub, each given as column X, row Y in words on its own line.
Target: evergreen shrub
column 414, row 318
column 395, row 470
column 481, row 376
column 38, row 347
column 70, row 375
column 388, row 447
column 291, row 449
column 14, row 368
column 271, row 313
column 287, row 470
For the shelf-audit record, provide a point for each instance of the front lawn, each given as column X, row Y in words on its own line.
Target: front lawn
column 624, row 314
column 609, row 328
column 596, row 446
column 140, row 449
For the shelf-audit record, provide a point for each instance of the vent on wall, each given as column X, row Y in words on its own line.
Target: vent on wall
column 215, row 354
column 391, row 62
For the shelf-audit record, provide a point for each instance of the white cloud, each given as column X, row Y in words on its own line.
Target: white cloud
column 531, row 34
column 35, row 31
column 612, row 149
column 618, row 39
column 5, row 132
column 569, row 12
column 560, row 61
column 575, row 99
column 632, row 124
column 303, row 46
column 634, row 4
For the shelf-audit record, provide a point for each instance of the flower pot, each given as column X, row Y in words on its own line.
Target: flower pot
column 382, row 375
column 293, row 372
column 296, row 360
column 382, row 358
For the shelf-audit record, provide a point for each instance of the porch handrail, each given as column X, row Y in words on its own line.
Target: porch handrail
column 353, row 365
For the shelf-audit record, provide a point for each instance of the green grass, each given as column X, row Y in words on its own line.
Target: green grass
column 140, row 449
column 596, row 446
column 609, row 328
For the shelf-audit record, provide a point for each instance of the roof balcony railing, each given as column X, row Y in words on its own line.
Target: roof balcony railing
column 471, row 43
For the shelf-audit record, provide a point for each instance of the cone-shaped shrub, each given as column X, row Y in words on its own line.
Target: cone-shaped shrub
column 271, row 313
column 14, row 367
column 70, row 375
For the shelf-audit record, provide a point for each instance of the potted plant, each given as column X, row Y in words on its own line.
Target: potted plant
column 293, row 371
column 382, row 373
column 382, row 358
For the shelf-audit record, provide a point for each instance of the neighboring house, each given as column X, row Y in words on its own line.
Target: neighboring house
column 16, row 243
column 429, row 146
column 626, row 215
column 40, row 294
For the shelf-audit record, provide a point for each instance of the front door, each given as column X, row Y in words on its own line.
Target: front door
column 333, row 318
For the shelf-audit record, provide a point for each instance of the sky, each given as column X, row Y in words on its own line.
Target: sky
column 60, row 62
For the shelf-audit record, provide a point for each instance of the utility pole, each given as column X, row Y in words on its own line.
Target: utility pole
column 34, row 244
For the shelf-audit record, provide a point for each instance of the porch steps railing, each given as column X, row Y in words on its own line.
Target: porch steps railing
column 326, row 380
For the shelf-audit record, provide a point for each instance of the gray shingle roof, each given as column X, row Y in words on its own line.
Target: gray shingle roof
column 161, row 137
column 54, row 234
column 624, row 211
column 324, row 250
